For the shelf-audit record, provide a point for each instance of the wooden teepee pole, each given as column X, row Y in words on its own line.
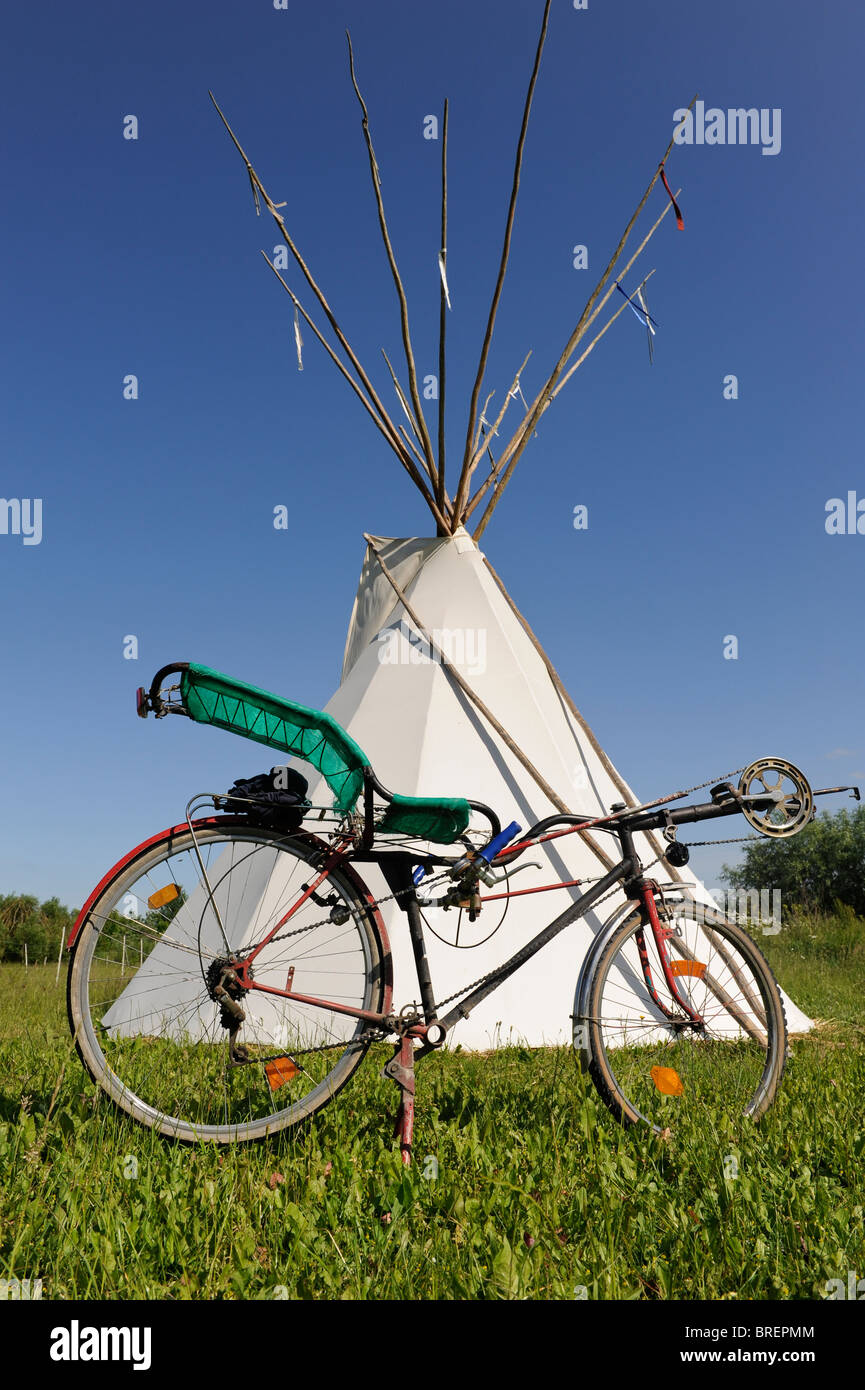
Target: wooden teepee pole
column 588, row 316
column 621, row 786
column 656, row 845
column 482, row 446
column 443, row 308
column 551, row 795
column 403, row 305
column 259, row 190
column 398, row 448
column 406, row 408
column 462, row 486
column 510, row 457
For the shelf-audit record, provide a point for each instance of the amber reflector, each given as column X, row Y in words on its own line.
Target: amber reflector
column 164, row 895
column 280, row 1071
column 668, row 1081
column 687, row 967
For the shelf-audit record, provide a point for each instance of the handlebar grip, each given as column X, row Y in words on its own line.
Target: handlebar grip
column 498, row 842
column 488, row 853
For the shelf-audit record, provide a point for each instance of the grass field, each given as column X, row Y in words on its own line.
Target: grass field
column 523, row 1186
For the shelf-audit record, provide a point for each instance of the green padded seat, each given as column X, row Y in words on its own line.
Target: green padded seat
column 437, row 818
column 315, row 737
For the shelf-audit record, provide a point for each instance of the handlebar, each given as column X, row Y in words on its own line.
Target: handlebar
column 729, row 803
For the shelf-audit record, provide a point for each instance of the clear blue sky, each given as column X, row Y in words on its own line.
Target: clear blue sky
column 706, row 516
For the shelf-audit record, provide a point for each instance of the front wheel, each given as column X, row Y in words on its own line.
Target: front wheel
column 151, row 1006
column 713, row 1057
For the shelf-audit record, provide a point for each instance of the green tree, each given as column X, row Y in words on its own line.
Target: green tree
column 39, row 926
column 822, row 865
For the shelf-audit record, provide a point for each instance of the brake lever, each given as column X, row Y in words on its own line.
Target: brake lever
column 491, row 881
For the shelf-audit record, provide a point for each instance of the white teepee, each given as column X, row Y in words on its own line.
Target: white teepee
column 425, row 737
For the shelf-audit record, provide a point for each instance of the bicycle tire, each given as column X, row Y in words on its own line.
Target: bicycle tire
column 739, row 1058
column 115, row 1021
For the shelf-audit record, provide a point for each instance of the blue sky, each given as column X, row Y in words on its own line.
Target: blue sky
column 706, row 516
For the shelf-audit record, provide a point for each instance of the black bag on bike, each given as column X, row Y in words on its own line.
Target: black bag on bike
column 275, row 799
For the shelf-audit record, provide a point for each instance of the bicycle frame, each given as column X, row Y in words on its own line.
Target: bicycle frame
column 396, row 866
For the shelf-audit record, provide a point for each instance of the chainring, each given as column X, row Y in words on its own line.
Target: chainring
column 794, row 804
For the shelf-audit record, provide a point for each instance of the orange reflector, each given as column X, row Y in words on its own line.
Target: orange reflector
column 280, row 1071
column 164, row 895
column 668, row 1081
column 687, row 967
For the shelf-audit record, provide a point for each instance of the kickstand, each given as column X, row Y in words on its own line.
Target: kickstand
column 400, row 1069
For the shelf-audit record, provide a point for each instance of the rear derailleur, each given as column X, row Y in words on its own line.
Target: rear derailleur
column 225, row 989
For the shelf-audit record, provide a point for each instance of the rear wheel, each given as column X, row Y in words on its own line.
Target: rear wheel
column 651, row 1060
column 150, row 958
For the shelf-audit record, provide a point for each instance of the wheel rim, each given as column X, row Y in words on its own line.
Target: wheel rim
column 148, row 1026
column 672, row 1072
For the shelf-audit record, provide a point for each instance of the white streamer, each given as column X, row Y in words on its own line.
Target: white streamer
column 443, row 274
column 298, row 341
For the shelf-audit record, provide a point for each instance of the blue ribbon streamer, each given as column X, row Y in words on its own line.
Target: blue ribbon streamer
column 642, row 314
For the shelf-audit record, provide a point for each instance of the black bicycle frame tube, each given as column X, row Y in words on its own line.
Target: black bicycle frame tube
column 581, row 905
column 418, row 945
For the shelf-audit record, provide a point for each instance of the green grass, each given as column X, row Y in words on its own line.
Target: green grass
column 537, row 1193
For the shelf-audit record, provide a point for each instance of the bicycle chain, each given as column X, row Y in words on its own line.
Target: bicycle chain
column 368, row 1036
column 736, row 840
column 712, row 782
